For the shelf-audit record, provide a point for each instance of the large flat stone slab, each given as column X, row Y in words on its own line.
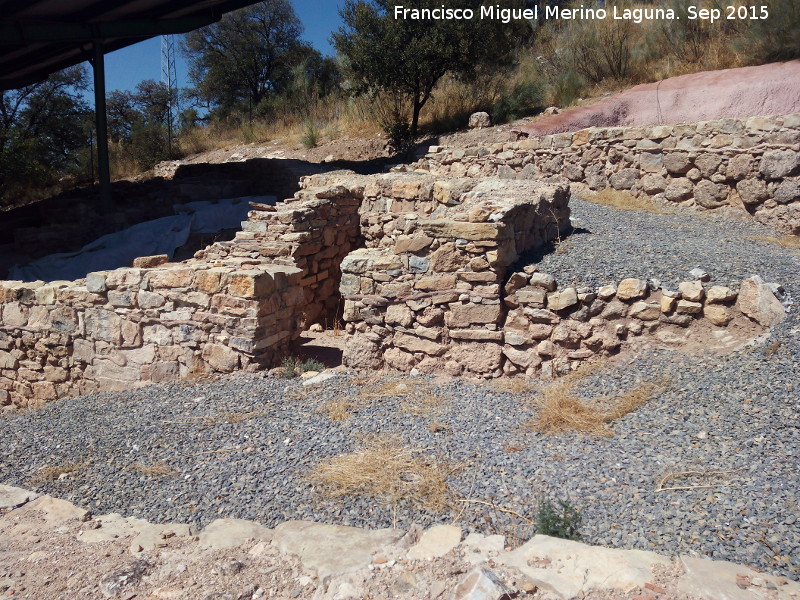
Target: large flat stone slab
column 721, row 580
column 435, row 542
column 54, row 510
column 331, row 550
column 14, row 497
column 227, row 533
column 570, row 569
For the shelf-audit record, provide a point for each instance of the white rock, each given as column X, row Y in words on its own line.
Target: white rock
column 228, row 533
column 14, row 497
column 436, row 541
column 331, row 550
column 577, row 568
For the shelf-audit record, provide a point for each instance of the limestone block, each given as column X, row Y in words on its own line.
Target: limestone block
column 180, row 277
column 250, row 284
column 209, row 281
column 562, row 299
column 630, row 289
column 149, row 262
column 758, row 302
column 522, row 358
column 718, row 294
column 435, row 542
column 718, row 315
column 447, row 229
column 687, row 307
column 691, row 290
column 124, row 278
column 544, row 280
column 221, row 358
column 412, row 244
column 412, row 343
column 464, row 315
column 96, row 282
column 572, row 569
column 229, row 533
column 645, row 311
column 478, row 357
column 399, row 314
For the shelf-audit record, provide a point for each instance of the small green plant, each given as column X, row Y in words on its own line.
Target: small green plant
column 401, row 137
column 561, row 521
column 292, row 367
column 312, row 134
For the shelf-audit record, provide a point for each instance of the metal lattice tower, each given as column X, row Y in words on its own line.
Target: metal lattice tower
column 169, row 77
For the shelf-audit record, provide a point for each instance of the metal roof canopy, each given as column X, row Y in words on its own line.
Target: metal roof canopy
column 40, row 37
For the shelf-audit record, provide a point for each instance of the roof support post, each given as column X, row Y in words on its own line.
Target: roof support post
column 98, row 67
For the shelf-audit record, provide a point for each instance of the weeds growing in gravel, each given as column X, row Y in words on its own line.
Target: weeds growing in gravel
column 559, row 410
column 418, row 399
column 388, row 471
column 561, row 521
column 624, row 201
column 513, row 385
column 50, row 473
column 292, row 367
column 154, row 469
column 788, row 242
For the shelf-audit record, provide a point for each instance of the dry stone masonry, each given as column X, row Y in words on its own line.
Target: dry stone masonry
column 419, row 265
column 752, row 165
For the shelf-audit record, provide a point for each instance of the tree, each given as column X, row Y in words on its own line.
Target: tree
column 139, row 120
column 246, row 55
column 407, row 57
column 41, row 131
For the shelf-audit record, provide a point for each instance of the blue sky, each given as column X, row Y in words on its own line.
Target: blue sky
column 127, row 67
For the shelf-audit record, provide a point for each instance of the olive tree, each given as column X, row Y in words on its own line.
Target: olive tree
column 407, row 57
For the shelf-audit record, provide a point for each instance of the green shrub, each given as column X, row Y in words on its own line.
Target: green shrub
column 312, row 134
column 292, row 367
column 520, row 101
column 567, row 88
column 560, row 521
column 401, row 139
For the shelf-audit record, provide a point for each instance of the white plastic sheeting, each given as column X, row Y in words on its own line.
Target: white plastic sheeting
column 160, row 236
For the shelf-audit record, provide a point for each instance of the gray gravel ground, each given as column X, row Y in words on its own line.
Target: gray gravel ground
column 737, row 414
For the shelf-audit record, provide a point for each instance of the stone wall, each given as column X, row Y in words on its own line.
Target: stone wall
column 420, row 266
column 531, row 326
column 426, row 291
column 121, row 329
column 752, row 165
column 237, row 305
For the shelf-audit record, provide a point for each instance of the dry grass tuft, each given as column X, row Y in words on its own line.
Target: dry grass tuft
column 788, row 242
column 48, row 473
column 513, row 385
column 337, row 410
column 624, row 201
column 388, row 471
column 561, row 411
column 417, row 399
column 154, row 469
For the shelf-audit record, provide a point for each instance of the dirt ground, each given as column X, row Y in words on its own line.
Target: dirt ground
column 772, row 89
column 42, row 558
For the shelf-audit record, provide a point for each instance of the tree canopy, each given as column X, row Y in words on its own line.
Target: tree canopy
column 408, row 57
column 42, row 127
column 246, row 55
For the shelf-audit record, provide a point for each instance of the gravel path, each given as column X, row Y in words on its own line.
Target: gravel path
column 241, row 446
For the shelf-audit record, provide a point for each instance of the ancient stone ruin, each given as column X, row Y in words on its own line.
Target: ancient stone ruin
column 427, row 270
